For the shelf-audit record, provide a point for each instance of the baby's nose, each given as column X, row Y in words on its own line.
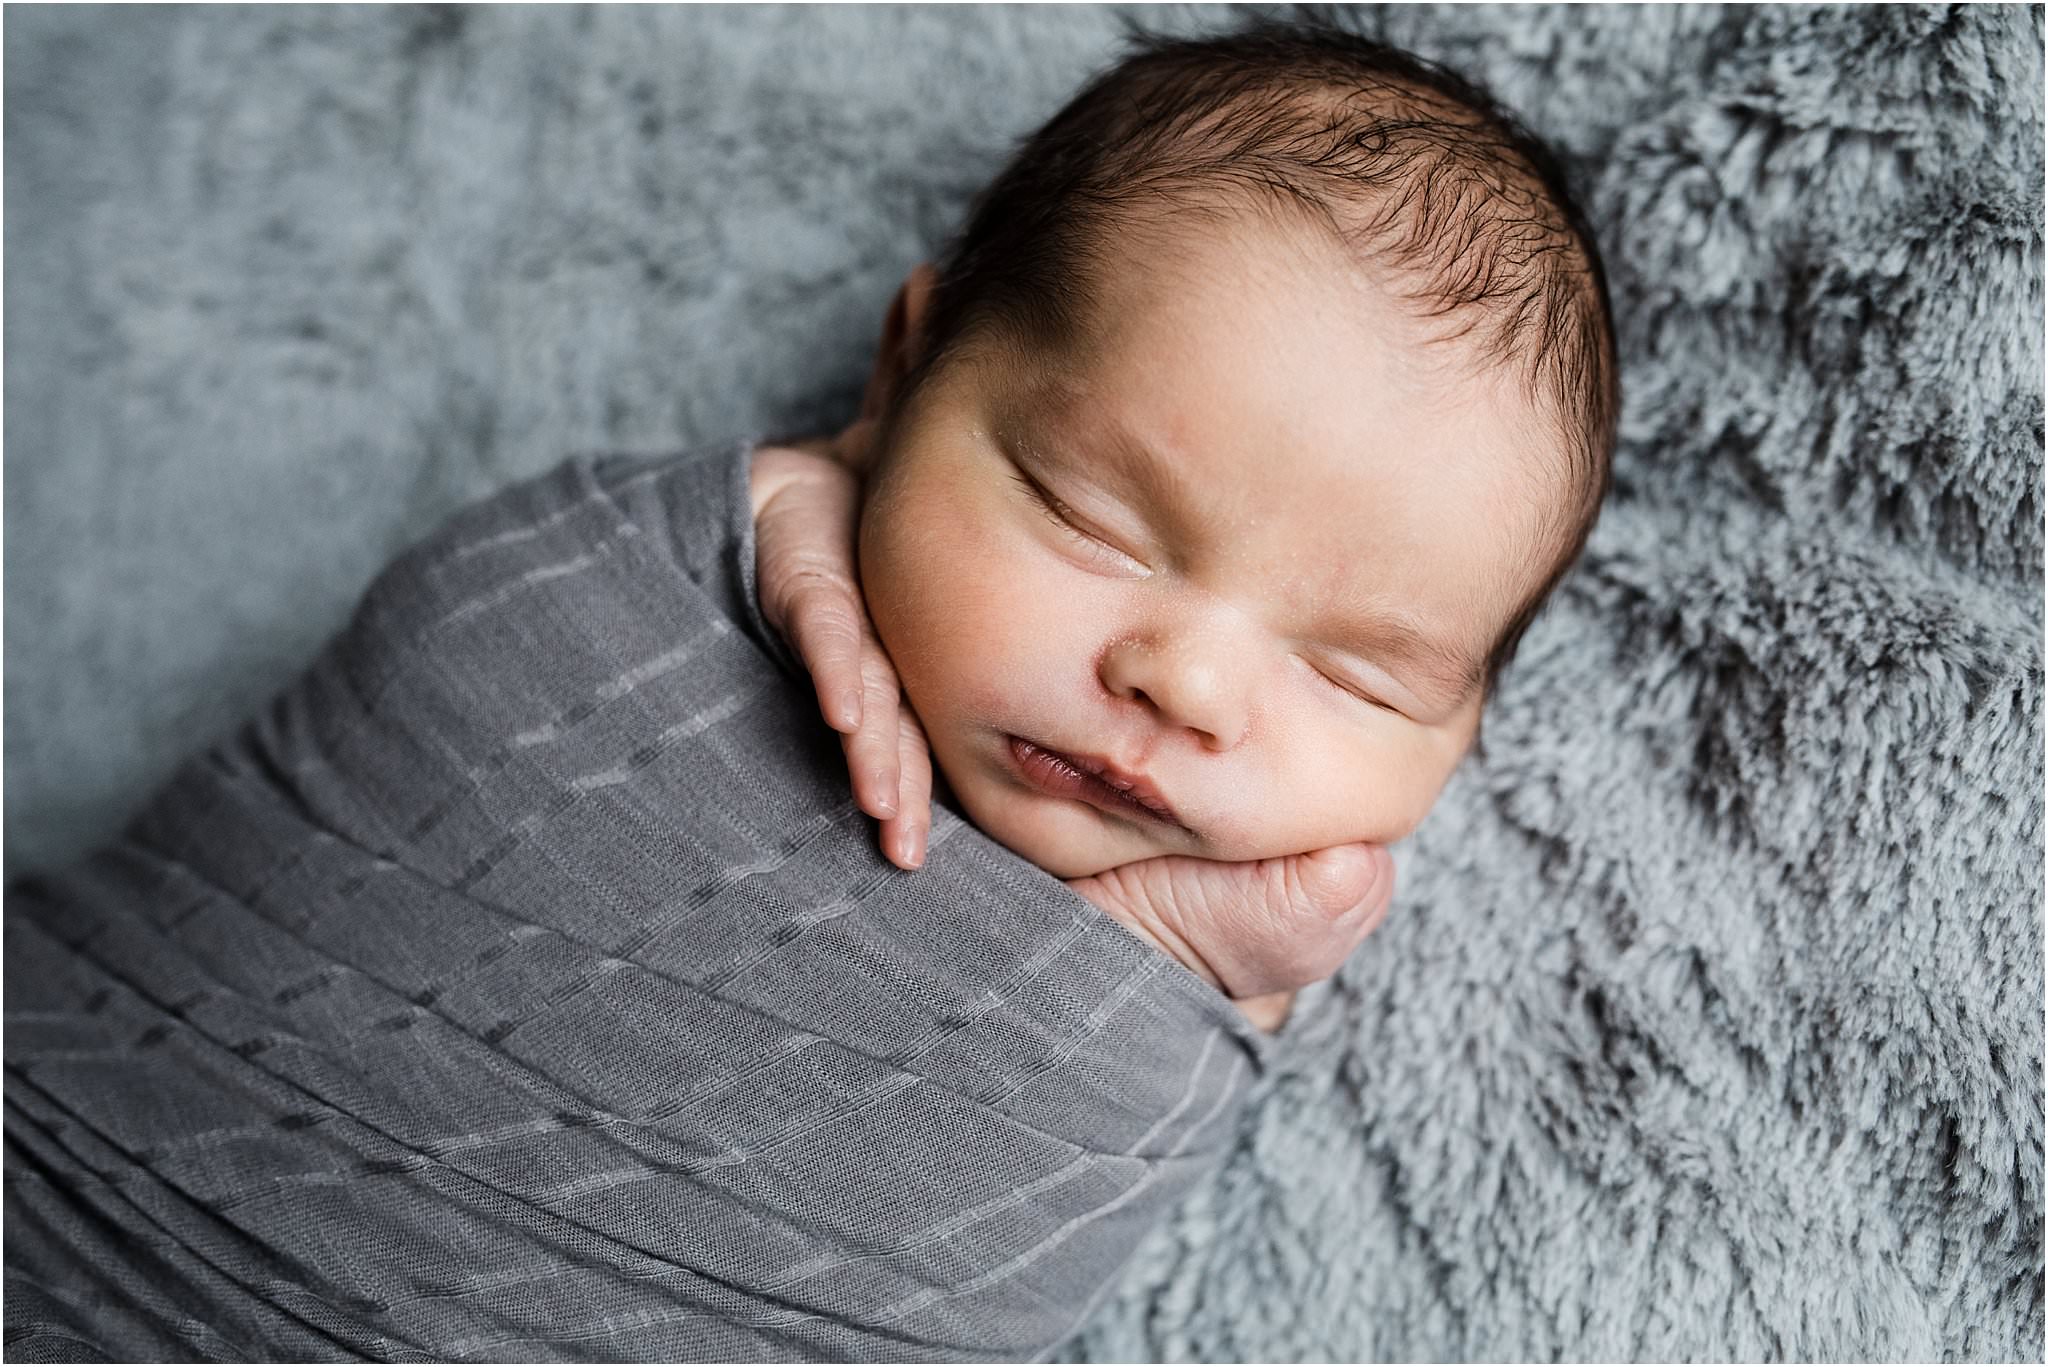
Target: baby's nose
column 1196, row 676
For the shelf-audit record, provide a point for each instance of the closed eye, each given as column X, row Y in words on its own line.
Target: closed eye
column 1063, row 518
column 1356, row 692
column 1053, row 509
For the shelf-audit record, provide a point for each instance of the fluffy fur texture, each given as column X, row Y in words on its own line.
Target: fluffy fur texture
column 1708, row 1022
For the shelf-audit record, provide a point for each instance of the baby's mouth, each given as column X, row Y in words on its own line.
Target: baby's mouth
column 1062, row 775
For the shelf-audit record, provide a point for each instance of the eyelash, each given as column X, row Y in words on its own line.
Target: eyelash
column 1062, row 517
column 1343, row 687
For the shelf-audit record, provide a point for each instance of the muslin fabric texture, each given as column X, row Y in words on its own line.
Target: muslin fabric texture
column 1706, row 1025
column 522, row 983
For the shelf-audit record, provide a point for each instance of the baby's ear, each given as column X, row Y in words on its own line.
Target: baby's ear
column 902, row 340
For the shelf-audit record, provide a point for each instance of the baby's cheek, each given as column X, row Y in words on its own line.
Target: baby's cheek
column 1416, row 777
column 974, row 635
column 1014, row 639
column 1371, row 780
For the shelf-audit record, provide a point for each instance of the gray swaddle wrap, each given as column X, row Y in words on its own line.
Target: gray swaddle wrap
column 524, row 983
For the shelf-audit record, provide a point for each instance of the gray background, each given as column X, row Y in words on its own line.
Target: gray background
column 1708, row 1021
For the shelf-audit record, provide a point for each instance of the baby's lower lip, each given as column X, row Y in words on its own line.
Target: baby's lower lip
column 1054, row 774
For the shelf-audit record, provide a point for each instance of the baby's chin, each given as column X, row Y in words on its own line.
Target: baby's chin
column 1065, row 859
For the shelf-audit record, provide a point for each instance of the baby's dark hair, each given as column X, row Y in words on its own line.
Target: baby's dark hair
column 1416, row 172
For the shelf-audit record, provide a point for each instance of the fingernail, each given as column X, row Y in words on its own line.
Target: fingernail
column 849, row 711
column 885, row 803
column 913, row 849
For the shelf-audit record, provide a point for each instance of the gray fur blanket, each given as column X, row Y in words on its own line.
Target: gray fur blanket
column 1707, row 1023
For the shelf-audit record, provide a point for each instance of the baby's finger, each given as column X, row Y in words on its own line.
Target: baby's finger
column 872, row 752
column 1269, row 1012
column 904, row 834
column 824, row 618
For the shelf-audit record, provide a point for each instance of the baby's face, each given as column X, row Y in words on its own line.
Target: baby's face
column 1251, row 549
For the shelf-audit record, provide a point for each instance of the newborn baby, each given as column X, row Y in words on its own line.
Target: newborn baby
column 515, row 986
column 1213, row 478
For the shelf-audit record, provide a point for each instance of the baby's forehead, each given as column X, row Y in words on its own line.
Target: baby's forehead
column 1063, row 393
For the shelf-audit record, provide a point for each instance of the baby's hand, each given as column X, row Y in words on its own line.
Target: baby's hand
column 1254, row 931
column 806, row 519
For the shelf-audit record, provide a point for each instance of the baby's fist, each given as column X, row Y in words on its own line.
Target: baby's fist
column 1254, row 931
